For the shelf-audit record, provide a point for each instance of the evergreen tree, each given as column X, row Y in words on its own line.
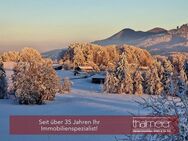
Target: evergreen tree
column 128, row 84
column 148, row 86
column 122, row 73
column 160, row 69
column 120, row 80
column 156, row 81
column 183, row 75
column 152, row 83
column 111, row 83
column 167, row 77
column 181, row 83
column 3, row 82
column 181, row 87
column 146, row 76
column 88, row 54
column 137, row 83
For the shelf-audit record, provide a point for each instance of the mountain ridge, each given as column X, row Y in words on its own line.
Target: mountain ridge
column 157, row 40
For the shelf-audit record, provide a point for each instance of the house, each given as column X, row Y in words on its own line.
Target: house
column 83, row 69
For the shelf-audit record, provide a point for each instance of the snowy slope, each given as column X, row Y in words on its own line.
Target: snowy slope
column 85, row 99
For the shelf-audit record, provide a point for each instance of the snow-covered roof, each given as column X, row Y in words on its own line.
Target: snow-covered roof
column 85, row 67
column 98, row 76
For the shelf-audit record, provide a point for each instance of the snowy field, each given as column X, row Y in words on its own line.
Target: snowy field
column 85, row 99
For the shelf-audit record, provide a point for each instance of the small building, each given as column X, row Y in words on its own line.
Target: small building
column 57, row 66
column 83, row 69
column 98, row 79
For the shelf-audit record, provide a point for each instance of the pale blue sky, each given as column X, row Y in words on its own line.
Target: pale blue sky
column 48, row 24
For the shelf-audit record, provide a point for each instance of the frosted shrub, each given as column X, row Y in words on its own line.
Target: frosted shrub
column 35, row 81
column 3, row 82
column 66, row 86
column 162, row 106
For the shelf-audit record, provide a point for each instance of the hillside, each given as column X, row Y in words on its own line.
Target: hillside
column 54, row 54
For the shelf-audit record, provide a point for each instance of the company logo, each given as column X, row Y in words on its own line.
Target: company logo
column 166, row 125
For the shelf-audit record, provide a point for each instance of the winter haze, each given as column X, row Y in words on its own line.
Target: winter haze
column 55, row 24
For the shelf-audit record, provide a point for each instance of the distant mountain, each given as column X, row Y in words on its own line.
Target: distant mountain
column 156, row 40
column 157, row 30
column 54, row 54
column 126, row 35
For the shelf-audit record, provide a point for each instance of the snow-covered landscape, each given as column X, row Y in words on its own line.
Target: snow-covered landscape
column 85, row 98
column 113, row 81
column 93, row 70
column 134, row 83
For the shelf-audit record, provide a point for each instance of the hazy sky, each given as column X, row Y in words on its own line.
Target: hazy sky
column 49, row 24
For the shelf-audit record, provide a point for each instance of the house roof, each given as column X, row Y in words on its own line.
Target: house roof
column 85, row 67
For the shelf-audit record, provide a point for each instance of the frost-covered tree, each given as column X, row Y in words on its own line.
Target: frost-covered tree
column 158, row 86
column 181, row 83
column 78, row 57
column 122, row 73
column 113, row 57
column 167, row 77
column 35, row 81
column 183, row 75
column 148, row 83
column 120, row 80
column 160, row 69
column 177, row 60
column 156, row 81
column 111, row 83
column 29, row 54
column 25, row 54
column 10, row 56
column 181, row 87
column 3, row 82
column 152, row 83
column 104, row 58
column 137, row 83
